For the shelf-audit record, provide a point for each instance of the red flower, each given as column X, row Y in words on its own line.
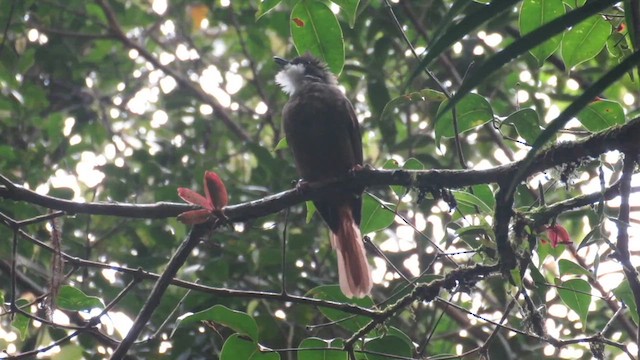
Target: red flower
column 214, row 200
column 558, row 235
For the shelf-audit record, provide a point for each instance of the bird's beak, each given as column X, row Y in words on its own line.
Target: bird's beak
column 280, row 61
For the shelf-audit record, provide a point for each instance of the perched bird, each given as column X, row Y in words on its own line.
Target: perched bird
column 323, row 133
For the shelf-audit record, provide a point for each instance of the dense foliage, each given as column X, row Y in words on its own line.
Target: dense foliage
column 525, row 251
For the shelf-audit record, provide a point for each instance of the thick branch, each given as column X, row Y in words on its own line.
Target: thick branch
column 622, row 138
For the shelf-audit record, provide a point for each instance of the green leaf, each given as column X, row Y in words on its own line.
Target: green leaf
column 585, row 40
column 70, row 298
column 460, row 29
column 471, row 202
column 238, row 348
column 575, row 293
column 390, row 345
column 623, row 292
column 516, row 276
column 529, row 41
column 472, row 111
column 601, row 115
column 569, row 267
column 375, row 216
column 282, row 144
column 238, row 321
column 315, row 354
column 346, row 320
column 527, row 124
column 535, row 13
column 315, row 29
column 21, row 322
column 539, row 282
column 485, row 194
column 311, row 209
column 349, row 8
column 418, row 96
column 265, row 6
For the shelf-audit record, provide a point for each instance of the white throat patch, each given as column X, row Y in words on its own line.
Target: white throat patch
column 290, row 78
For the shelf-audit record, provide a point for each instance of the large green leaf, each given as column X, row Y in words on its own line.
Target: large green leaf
column 315, row 344
column 535, row 13
column 238, row 348
column 375, row 214
column 527, row 124
column 220, row 314
column 472, row 111
column 585, row 40
column 315, row 29
column 575, row 293
column 601, row 115
column 389, row 345
column 346, row 320
column 71, row 298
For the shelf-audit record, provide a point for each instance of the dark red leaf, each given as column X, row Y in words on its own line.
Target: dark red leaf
column 215, row 190
column 193, row 217
column 558, row 235
column 194, row 198
column 298, row 22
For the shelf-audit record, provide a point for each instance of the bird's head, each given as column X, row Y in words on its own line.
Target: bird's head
column 305, row 68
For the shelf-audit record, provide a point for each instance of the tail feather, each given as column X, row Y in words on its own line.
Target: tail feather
column 353, row 268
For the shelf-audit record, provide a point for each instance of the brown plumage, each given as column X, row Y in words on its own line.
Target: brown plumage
column 323, row 133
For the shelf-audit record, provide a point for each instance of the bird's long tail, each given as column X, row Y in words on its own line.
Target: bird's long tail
column 353, row 268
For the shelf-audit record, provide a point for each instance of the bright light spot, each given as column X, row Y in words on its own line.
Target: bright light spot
column 89, row 82
column 168, row 84
column 478, row 50
column 133, row 54
column 268, row 225
column 628, row 99
column 110, row 274
column 75, row 140
column 553, row 113
column 159, row 6
column 182, row 52
column 85, row 169
column 140, row 101
column 120, row 87
column 457, row 48
column 166, row 58
column 68, row 126
column 119, row 162
column 32, row 35
column 378, row 272
column 412, row 264
column 121, row 322
column 523, row 96
column 168, row 28
column 205, row 109
column 225, row 3
column 299, row 263
column 42, row 189
column 553, row 81
column 234, row 82
column 114, row 113
column 261, row 108
column 573, row 85
column 524, row 76
column 280, row 314
column 204, row 24
column 164, row 347
column 481, row 35
column 493, row 40
column 159, row 118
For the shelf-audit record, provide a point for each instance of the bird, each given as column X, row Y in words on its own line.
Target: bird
column 323, row 134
